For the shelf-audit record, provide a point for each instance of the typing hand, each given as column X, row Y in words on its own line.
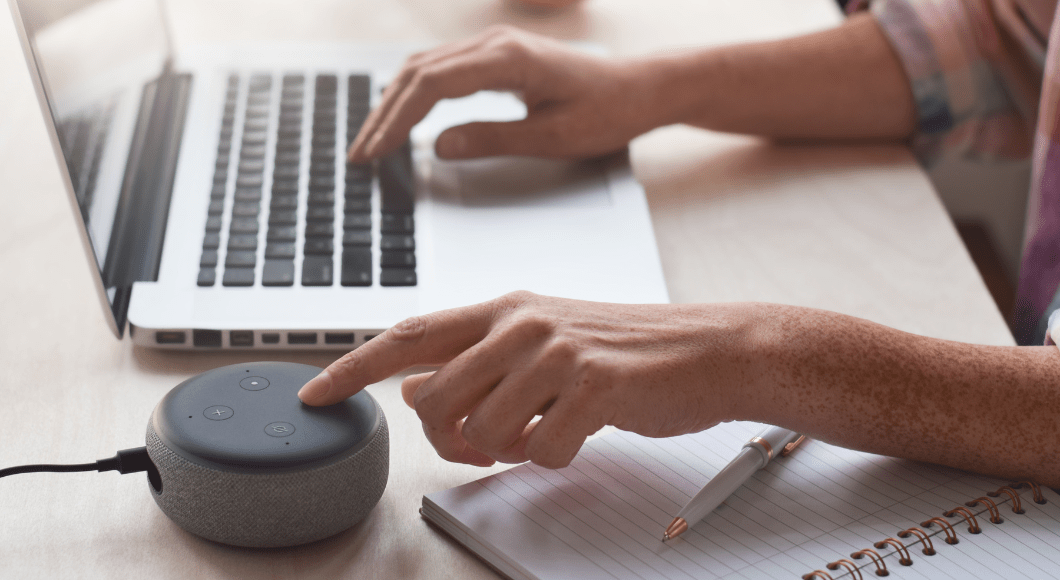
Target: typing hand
column 657, row 370
column 578, row 105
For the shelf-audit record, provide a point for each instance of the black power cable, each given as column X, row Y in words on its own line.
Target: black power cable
column 126, row 461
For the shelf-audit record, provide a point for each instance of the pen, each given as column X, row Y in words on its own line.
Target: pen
column 755, row 454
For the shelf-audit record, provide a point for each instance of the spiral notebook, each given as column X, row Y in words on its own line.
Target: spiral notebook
column 822, row 512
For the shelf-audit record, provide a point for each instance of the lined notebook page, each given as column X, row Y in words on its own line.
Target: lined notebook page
column 603, row 516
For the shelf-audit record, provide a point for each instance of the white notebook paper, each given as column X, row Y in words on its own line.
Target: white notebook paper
column 603, row 516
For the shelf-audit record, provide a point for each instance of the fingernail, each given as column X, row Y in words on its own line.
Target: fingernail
column 451, row 144
column 315, row 389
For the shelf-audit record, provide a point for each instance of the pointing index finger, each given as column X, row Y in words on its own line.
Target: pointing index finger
column 432, row 339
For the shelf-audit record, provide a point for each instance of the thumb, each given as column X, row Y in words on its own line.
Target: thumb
column 489, row 139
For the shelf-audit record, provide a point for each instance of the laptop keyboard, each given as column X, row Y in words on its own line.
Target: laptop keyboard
column 319, row 226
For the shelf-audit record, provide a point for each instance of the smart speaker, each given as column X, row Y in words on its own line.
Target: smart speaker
column 242, row 461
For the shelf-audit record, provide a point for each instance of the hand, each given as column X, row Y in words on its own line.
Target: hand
column 657, row 370
column 577, row 105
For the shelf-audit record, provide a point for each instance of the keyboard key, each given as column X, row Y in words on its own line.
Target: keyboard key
column 318, row 247
column 217, row 191
column 398, row 259
column 358, row 189
column 238, row 277
column 245, row 209
column 358, row 172
column 216, row 207
column 326, row 82
column 279, row 250
column 288, row 158
column 285, row 186
column 323, row 168
column 324, row 140
column 396, row 181
column 282, row 234
column 285, row 172
column 322, row 198
column 244, row 226
column 283, row 217
column 291, row 103
column 208, row 259
column 357, row 238
column 260, row 82
column 326, row 183
column 249, row 181
column 320, row 230
column 207, row 276
column 213, row 223
column 289, row 146
column 356, row 267
column 255, row 137
column 320, row 213
column 357, row 221
column 317, row 271
column 256, row 125
column 277, row 273
column 359, row 87
column 251, row 165
column 240, row 259
column 255, row 152
column 242, row 242
column 290, row 133
column 248, row 194
column 211, row 242
column 397, row 242
column 357, row 205
column 396, row 224
column 397, row 277
column 284, row 202
column 323, row 156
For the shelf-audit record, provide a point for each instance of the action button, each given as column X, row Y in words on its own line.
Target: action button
column 254, row 383
column 279, row 429
column 218, row 413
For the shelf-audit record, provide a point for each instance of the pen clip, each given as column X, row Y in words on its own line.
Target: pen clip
column 791, row 446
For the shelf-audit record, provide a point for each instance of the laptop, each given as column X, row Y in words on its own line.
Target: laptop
column 215, row 202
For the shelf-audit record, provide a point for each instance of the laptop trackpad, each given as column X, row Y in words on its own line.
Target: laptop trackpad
column 502, row 182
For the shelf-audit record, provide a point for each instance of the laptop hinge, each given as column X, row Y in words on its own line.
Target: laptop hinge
column 135, row 248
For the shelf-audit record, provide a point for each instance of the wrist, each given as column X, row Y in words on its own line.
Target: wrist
column 678, row 87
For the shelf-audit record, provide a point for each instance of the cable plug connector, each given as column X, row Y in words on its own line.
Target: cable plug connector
column 126, row 461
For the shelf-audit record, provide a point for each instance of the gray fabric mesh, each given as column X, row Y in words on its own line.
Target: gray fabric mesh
column 271, row 510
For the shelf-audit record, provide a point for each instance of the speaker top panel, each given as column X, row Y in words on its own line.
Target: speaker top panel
column 249, row 417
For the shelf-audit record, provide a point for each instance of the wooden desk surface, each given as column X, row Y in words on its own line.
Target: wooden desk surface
column 854, row 229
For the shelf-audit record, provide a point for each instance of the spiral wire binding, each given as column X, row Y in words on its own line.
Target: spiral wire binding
column 969, row 517
column 925, row 540
column 995, row 514
column 951, row 534
column 903, row 554
column 905, row 557
column 881, row 567
column 1017, row 505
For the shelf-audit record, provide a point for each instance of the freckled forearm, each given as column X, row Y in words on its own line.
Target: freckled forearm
column 857, row 384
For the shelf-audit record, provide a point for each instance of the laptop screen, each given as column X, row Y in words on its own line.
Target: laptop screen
column 92, row 58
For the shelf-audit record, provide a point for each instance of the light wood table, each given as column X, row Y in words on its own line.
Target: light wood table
column 854, row 229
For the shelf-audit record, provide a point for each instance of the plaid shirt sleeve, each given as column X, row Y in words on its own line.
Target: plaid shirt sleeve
column 954, row 57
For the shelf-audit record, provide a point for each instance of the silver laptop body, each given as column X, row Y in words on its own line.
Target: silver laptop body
column 162, row 151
